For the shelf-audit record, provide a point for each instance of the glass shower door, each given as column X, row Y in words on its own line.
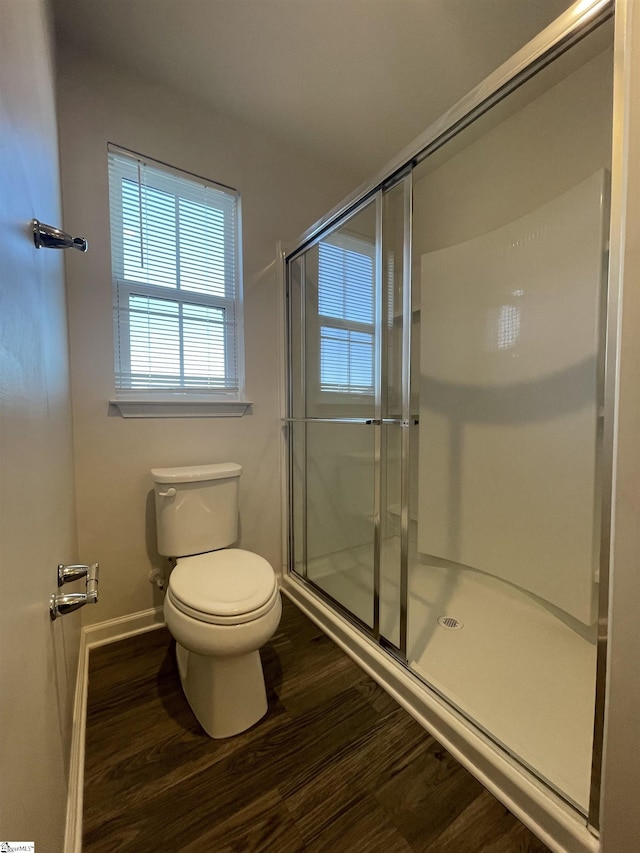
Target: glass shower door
column 334, row 444
column 348, row 304
column 509, row 264
column 446, row 384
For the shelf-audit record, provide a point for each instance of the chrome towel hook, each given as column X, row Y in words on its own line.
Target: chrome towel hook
column 48, row 237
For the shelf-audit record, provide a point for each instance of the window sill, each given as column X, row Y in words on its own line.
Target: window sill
column 179, row 408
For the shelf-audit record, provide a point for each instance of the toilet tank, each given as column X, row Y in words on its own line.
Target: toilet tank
column 196, row 508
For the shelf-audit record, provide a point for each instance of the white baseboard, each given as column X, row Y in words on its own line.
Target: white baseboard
column 73, row 827
column 124, row 626
column 91, row 637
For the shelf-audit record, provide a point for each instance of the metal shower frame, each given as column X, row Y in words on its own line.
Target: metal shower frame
column 577, row 22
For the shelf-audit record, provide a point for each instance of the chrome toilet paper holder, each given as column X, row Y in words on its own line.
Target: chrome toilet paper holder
column 61, row 604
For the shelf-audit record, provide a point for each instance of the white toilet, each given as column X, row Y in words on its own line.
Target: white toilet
column 221, row 605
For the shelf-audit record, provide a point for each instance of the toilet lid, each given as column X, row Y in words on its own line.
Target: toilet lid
column 230, row 583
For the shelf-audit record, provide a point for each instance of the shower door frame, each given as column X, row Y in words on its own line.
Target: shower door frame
column 573, row 25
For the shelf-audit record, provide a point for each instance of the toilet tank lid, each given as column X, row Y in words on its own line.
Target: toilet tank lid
column 195, row 473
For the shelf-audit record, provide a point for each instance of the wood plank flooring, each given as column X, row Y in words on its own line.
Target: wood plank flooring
column 336, row 764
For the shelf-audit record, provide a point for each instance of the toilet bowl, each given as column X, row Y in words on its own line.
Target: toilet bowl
column 221, row 605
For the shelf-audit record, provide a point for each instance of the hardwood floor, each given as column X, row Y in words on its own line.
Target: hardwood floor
column 336, row 764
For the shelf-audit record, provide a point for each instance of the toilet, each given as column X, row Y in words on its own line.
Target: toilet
column 222, row 603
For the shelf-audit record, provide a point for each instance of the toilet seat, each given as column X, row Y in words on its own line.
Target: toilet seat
column 227, row 587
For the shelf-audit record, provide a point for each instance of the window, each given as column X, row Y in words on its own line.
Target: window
column 175, row 248
column 346, row 305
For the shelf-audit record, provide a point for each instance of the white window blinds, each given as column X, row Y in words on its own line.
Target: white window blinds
column 346, row 305
column 176, row 282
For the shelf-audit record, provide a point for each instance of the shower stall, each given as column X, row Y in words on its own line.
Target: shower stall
column 448, row 390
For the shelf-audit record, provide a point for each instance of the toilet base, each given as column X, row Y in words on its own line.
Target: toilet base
column 226, row 694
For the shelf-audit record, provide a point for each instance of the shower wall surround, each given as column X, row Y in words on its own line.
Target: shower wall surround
column 509, row 401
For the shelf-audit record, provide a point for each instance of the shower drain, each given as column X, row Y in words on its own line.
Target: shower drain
column 450, row 622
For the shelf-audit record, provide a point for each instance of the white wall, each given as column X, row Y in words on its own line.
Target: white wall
column 38, row 658
column 283, row 192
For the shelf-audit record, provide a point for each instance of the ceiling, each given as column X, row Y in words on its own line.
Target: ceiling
column 351, row 81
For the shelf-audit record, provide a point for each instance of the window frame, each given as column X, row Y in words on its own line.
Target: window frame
column 179, row 400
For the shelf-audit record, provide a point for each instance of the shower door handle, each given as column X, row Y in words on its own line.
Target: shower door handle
column 391, row 421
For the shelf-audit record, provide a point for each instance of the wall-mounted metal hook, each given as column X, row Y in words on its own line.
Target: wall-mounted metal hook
column 48, row 237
